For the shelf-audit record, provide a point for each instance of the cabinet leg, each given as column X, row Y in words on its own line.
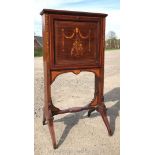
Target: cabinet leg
column 102, row 110
column 44, row 118
column 52, row 132
column 90, row 111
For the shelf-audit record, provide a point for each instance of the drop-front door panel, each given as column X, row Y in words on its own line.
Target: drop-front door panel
column 75, row 42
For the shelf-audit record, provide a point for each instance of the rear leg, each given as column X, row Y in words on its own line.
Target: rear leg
column 102, row 110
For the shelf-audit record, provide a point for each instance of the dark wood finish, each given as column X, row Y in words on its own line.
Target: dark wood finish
column 65, row 12
column 76, row 43
column 73, row 42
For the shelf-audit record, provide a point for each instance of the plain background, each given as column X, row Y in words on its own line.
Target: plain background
column 137, row 77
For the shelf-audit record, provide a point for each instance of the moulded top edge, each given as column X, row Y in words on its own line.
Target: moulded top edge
column 66, row 12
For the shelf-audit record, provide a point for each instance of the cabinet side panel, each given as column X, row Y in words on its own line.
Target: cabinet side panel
column 103, row 49
column 102, row 41
column 46, row 62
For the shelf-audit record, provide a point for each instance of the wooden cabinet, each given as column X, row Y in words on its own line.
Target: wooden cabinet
column 73, row 42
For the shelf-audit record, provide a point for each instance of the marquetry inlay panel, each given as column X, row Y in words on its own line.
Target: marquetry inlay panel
column 76, row 42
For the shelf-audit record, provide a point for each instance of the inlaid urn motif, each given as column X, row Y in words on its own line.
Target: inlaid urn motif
column 77, row 48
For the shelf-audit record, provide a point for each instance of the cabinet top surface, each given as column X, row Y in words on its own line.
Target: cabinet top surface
column 65, row 12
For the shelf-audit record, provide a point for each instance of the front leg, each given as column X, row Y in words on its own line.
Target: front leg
column 52, row 132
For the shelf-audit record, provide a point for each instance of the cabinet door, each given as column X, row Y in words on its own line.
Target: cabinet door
column 75, row 41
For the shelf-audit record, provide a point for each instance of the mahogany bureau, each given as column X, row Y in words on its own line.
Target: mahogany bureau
column 73, row 42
